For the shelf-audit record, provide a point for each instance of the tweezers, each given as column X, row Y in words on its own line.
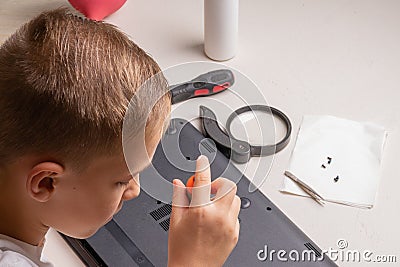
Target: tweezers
column 306, row 188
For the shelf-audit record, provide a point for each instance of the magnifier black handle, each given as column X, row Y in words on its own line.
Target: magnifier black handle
column 210, row 83
column 237, row 150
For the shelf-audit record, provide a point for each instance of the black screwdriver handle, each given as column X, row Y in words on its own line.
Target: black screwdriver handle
column 209, row 83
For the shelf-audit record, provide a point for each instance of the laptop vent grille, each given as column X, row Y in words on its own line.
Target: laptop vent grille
column 161, row 215
column 165, row 224
column 311, row 247
column 161, row 212
column 208, row 146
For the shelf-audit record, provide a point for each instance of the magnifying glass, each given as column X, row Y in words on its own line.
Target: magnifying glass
column 248, row 131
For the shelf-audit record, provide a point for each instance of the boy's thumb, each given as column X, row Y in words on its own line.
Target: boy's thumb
column 179, row 199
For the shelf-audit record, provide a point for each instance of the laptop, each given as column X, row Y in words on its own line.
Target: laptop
column 138, row 234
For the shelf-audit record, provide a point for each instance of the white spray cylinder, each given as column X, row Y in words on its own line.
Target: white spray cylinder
column 221, row 19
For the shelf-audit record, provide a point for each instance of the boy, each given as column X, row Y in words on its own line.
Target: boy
column 65, row 85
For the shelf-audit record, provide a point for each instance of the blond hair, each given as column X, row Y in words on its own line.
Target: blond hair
column 65, row 85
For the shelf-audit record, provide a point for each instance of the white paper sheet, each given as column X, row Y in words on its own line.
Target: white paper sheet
column 339, row 158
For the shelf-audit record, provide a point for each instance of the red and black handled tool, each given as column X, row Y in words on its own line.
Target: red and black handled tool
column 206, row 84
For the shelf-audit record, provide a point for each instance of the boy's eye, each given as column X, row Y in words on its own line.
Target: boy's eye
column 123, row 183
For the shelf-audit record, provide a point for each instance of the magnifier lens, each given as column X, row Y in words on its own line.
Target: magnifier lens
column 255, row 127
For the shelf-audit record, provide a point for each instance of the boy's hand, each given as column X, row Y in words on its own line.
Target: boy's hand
column 205, row 233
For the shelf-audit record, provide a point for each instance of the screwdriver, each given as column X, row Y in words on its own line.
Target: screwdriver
column 209, row 83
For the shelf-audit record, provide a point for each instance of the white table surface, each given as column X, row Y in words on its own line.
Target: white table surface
column 339, row 58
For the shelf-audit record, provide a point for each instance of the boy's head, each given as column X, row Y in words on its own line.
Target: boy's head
column 65, row 85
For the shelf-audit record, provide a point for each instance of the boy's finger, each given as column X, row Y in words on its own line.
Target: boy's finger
column 235, row 209
column 225, row 191
column 202, row 184
column 237, row 228
column 216, row 184
column 179, row 200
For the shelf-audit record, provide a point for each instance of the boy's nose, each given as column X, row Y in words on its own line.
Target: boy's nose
column 132, row 190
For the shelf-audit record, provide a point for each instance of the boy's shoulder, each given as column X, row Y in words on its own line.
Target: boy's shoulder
column 14, row 252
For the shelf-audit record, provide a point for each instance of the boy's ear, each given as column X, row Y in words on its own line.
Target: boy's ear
column 40, row 182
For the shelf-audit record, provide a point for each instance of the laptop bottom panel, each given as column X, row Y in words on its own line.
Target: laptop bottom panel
column 138, row 234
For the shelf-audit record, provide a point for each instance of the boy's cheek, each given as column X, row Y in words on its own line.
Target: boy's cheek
column 132, row 191
column 136, row 189
column 136, row 179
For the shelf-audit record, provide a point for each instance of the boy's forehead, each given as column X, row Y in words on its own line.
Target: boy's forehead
column 137, row 164
column 138, row 153
column 116, row 162
column 138, row 150
column 115, row 166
